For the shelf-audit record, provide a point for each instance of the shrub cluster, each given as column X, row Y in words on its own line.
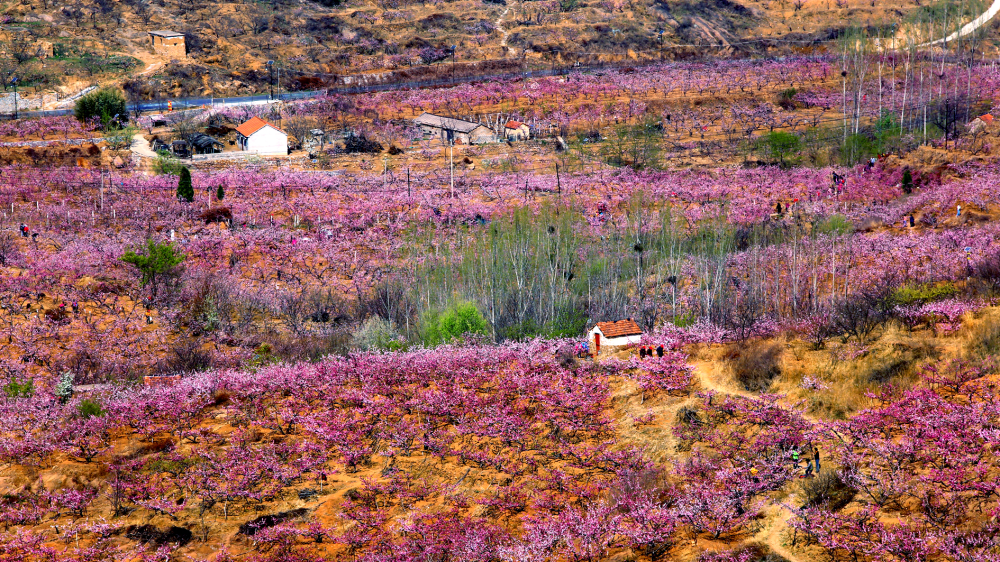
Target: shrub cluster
column 755, row 365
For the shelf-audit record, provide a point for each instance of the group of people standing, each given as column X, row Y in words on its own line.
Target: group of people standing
column 649, row 351
column 26, row 232
column 811, row 456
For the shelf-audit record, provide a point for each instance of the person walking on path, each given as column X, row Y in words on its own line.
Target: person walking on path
column 795, row 459
column 816, row 458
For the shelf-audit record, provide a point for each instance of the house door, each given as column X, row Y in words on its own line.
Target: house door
column 597, row 343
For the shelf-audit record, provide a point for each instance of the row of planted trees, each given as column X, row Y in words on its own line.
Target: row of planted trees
column 554, row 271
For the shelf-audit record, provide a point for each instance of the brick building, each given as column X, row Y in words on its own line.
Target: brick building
column 168, row 43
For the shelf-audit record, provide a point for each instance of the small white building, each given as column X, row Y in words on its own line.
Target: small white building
column 613, row 335
column 515, row 131
column 260, row 137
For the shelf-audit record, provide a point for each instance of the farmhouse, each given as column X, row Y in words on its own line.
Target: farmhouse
column 457, row 130
column 614, row 335
column 168, row 43
column 261, row 137
column 515, row 131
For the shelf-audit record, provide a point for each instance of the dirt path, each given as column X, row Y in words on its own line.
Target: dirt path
column 710, row 31
column 772, row 536
column 140, row 147
column 151, row 68
column 711, row 376
column 707, row 373
column 499, row 25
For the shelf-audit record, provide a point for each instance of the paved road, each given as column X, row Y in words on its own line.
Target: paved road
column 185, row 103
column 970, row 27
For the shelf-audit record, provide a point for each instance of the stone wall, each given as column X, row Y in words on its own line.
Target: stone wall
column 29, row 103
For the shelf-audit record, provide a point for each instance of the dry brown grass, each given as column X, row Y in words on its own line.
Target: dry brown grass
column 755, row 365
column 844, row 373
column 983, row 337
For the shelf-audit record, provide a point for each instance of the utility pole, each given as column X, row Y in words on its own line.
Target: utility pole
column 270, row 79
column 558, row 189
column 451, row 165
column 453, row 54
column 14, row 82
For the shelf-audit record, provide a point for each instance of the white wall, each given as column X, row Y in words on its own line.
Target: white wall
column 612, row 342
column 520, row 133
column 622, row 341
column 268, row 141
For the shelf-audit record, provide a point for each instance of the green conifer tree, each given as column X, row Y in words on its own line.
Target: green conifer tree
column 185, row 191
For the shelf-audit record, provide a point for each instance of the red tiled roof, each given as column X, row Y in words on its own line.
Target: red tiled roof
column 619, row 328
column 253, row 125
column 513, row 124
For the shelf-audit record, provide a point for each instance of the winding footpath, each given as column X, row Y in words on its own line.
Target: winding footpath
column 774, row 536
column 499, row 26
column 775, row 533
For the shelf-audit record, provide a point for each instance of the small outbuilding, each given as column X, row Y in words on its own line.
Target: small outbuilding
column 204, row 144
column 613, row 335
column 180, row 148
column 515, row 131
column 260, row 137
column 453, row 130
column 168, row 43
column 156, row 144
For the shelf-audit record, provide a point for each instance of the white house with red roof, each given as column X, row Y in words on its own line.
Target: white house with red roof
column 260, row 137
column 515, row 130
column 613, row 335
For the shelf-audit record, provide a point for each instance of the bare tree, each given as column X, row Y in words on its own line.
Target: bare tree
column 257, row 18
column 857, row 47
column 105, row 8
column 859, row 315
column 74, row 13
column 745, row 311
column 23, row 47
column 141, row 9
column 299, row 127
column 136, row 89
column 8, row 247
column 8, row 69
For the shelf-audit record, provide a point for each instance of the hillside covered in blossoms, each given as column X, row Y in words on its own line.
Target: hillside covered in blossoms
column 720, row 310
